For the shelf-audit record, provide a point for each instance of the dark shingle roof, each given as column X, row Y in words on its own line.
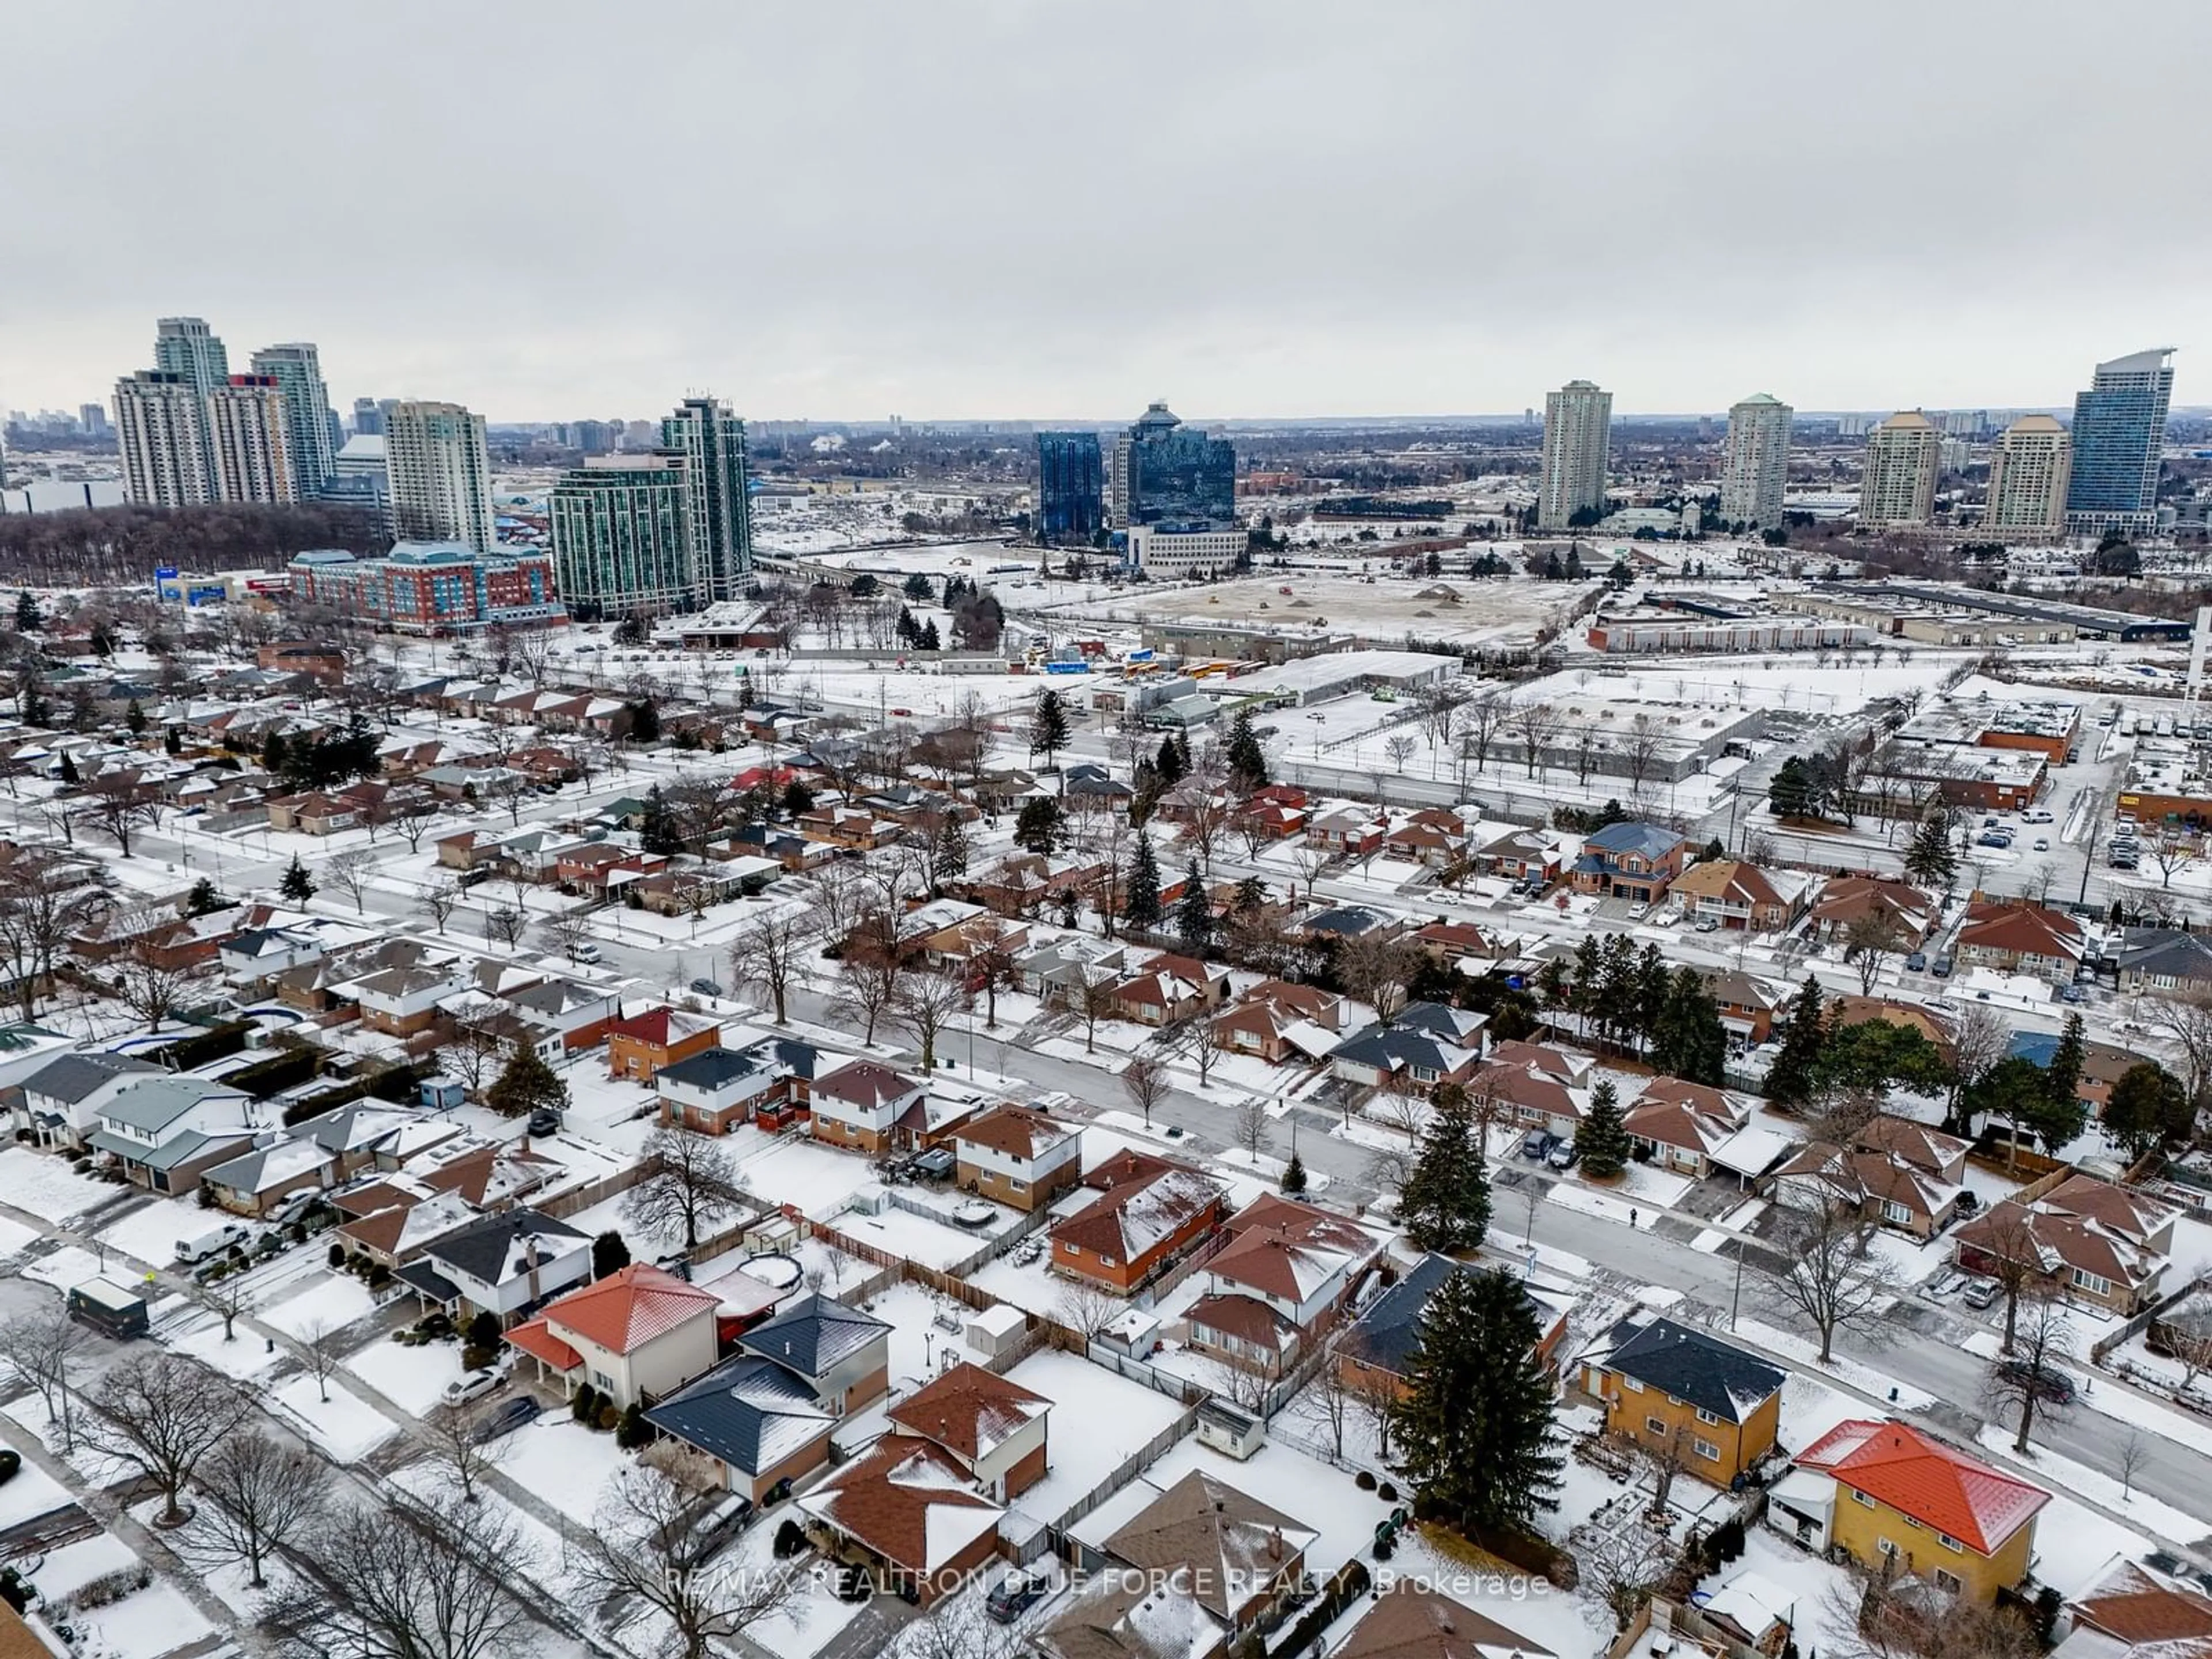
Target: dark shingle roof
column 749, row 1412
column 73, row 1077
column 813, row 1335
column 484, row 1248
column 1386, row 1335
column 1693, row 1366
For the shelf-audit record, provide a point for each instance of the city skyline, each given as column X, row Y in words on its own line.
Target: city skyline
column 843, row 293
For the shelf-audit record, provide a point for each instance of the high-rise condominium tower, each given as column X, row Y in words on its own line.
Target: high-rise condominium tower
column 1071, row 486
column 1756, row 471
column 2028, row 478
column 440, row 474
column 1578, row 427
column 161, row 428
column 187, row 346
column 1903, row 456
column 247, row 418
column 1167, row 473
column 717, row 508
column 298, row 372
column 622, row 538
column 2119, row 423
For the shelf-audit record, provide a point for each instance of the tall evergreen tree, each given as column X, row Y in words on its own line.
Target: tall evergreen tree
column 1688, row 1040
column 298, row 886
column 1475, row 1425
column 134, row 719
column 1140, row 891
column 1194, row 914
column 1247, row 760
column 1791, row 793
column 644, row 721
column 950, row 851
column 527, row 1085
column 1601, row 1137
column 68, row 772
column 1169, row 765
column 657, row 830
column 1048, row 726
column 1793, row 1077
column 1037, row 828
column 2147, row 1106
column 1445, row 1203
column 2063, row 1074
column 27, row 620
column 1931, row 858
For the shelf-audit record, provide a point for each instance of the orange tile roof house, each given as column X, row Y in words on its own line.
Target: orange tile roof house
column 1019, row 1156
column 859, row 1104
column 2022, row 939
column 1742, row 898
column 634, row 1335
column 993, row 1428
column 1902, row 1501
column 2094, row 1242
column 639, row 1046
column 1149, row 1212
column 909, row 1510
column 1286, row 1270
column 1168, row 989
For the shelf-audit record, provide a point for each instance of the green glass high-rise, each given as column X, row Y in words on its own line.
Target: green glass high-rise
column 621, row 538
column 712, row 442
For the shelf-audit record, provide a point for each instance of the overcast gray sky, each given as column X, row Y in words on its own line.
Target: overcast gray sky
column 962, row 208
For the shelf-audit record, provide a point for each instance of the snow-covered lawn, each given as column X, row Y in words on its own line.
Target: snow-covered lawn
column 563, row 1462
column 70, row 1568
column 65, row 1269
column 32, row 1492
column 413, row 1379
column 245, row 1355
column 2164, row 1522
column 150, row 1233
column 13, row 1236
column 143, row 1625
column 1804, row 1351
column 920, row 1348
column 330, row 1300
column 798, row 1170
column 1098, row 1419
column 346, row 1425
column 47, row 1188
column 805, row 1624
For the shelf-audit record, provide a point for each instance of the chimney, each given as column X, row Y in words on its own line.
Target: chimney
column 1275, row 1545
column 529, row 1260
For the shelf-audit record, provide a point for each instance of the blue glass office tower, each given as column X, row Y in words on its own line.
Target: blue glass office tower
column 1177, row 475
column 2119, row 423
column 1071, row 486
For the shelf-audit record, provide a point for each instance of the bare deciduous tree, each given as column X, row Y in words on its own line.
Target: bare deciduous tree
column 564, row 930
column 1537, row 724
column 45, row 898
column 1253, row 1128
column 695, row 1183
column 116, row 807
column 1868, row 940
column 43, row 1347
column 320, row 1354
column 1829, row 1280
column 440, row 898
column 261, row 1497
column 1146, row 1084
column 349, row 872
column 2187, row 1020
column 641, row 1543
column 1377, row 968
column 160, row 1414
column 419, row 1579
column 766, row 955
column 1624, row 1564
column 461, row 1459
column 1309, row 860
column 226, row 1297
column 1088, row 1308
column 151, row 987
column 926, row 1004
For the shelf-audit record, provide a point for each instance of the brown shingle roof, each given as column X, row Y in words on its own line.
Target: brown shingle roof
column 968, row 1411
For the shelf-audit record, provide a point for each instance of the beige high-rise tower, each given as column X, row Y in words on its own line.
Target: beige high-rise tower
column 441, row 475
column 1578, row 429
column 1903, row 456
column 2028, row 476
column 1756, row 471
column 248, row 421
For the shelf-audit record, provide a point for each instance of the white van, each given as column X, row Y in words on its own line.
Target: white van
column 586, row 951
column 209, row 1244
column 2037, row 815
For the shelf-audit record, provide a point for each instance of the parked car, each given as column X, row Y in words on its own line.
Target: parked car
column 1981, row 1293
column 293, row 1207
column 11, row 1465
column 1563, row 1155
column 716, row 1528
column 1917, row 962
column 1948, row 1284
column 472, row 1385
column 1015, row 1593
column 544, row 1121
column 1707, row 925
column 1968, row 1203
column 706, row 987
column 585, row 952
column 2043, row 843
column 2048, row 1381
column 1538, row 1144
column 217, row 1240
column 1942, row 967
column 2038, row 815
column 504, row 1419
column 2072, row 993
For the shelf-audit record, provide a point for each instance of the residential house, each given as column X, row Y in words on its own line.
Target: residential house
column 639, row 1045
column 1427, row 1043
column 2163, row 959
column 993, row 1428
column 1677, row 1392
column 403, row 1002
column 967, row 947
column 503, row 1264
column 1681, row 1124
column 581, row 1013
column 636, row 1335
column 166, row 1132
column 1375, row 1355
column 255, row 1181
column 907, row 1509
column 1018, row 1157
column 2106, row 1245
column 1630, row 860
column 759, row 1423
column 1149, row 1212
column 1435, row 837
column 1458, row 941
column 1543, row 1086
column 858, row 1105
column 842, row 1354
column 1350, row 831
column 1523, row 855
column 1058, row 970
column 1848, row 900
column 2020, row 938
column 2131, row 1612
column 1168, row 989
column 1900, row 1501
column 258, row 955
column 1411, row 1621
column 1276, row 1019
column 62, row 1099
column 1900, row 1173
column 1278, row 1283
column 1741, row 897
column 1202, row 1564
column 1341, row 922
column 1748, row 1008
column 715, row 1090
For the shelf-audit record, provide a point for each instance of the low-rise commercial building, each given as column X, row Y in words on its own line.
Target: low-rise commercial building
column 431, row 587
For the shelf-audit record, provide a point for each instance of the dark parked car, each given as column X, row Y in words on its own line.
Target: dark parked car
column 715, row 1528
column 1014, row 1594
column 2049, row 1383
column 544, row 1121
column 11, row 1464
column 1538, row 1143
column 504, row 1419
